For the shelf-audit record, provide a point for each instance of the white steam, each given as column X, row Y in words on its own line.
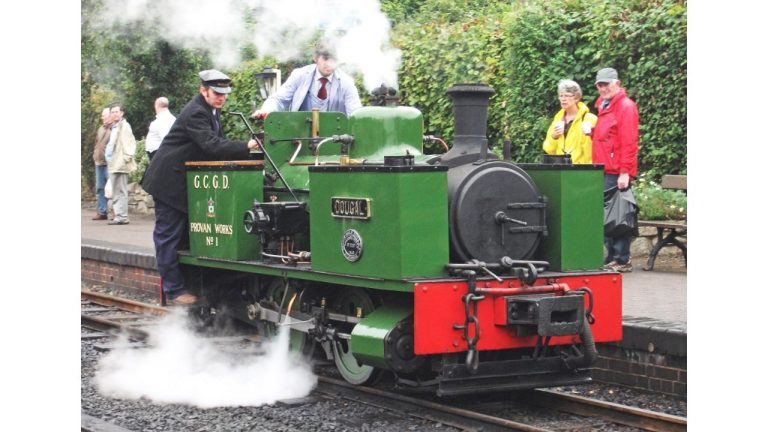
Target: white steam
column 180, row 367
column 284, row 29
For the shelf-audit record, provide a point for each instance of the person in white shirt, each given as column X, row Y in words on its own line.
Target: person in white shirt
column 159, row 127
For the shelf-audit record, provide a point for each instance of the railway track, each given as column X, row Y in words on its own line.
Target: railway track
column 459, row 418
column 622, row 414
column 102, row 314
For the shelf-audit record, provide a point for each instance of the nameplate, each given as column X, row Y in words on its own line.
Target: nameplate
column 351, row 208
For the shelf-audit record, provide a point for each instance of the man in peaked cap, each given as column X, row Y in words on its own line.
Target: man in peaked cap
column 614, row 144
column 195, row 136
column 320, row 85
column 216, row 80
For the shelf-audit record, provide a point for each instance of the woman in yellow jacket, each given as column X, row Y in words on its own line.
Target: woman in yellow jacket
column 571, row 128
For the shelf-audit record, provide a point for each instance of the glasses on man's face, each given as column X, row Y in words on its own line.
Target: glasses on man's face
column 602, row 84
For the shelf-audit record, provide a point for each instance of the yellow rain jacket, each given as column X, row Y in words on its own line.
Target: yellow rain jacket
column 578, row 145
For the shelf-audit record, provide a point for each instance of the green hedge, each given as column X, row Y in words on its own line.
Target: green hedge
column 524, row 49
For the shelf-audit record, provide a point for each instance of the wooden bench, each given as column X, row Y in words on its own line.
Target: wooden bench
column 667, row 233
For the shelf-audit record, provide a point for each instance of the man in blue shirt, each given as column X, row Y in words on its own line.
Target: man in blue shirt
column 319, row 85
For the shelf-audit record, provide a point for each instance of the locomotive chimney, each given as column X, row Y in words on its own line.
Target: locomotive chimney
column 470, row 111
column 384, row 96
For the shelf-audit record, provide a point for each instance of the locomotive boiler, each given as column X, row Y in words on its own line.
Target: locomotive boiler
column 458, row 271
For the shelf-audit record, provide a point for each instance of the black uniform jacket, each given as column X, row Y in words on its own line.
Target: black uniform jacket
column 191, row 138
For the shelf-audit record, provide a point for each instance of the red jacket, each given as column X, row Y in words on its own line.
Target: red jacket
column 615, row 137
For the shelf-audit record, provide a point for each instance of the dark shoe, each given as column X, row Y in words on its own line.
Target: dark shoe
column 117, row 222
column 185, row 299
column 99, row 216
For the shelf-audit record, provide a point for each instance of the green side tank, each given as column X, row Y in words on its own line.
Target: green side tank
column 219, row 193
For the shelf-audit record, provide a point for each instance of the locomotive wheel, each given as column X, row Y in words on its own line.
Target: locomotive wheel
column 352, row 371
column 302, row 343
column 348, row 302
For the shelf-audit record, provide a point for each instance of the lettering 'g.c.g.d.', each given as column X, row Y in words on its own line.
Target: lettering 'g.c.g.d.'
column 210, row 181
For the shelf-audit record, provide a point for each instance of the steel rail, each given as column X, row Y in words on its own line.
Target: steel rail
column 613, row 412
column 452, row 416
column 103, row 324
column 122, row 303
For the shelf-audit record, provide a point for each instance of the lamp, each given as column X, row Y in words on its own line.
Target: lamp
column 268, row 81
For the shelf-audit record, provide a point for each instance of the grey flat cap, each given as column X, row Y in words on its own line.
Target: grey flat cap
column 216, row 80
column 606, row 75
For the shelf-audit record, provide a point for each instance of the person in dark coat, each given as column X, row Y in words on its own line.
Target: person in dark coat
column 195, row 136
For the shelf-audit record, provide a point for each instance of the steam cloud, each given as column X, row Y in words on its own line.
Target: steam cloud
column 179, row 367
column 283, row 29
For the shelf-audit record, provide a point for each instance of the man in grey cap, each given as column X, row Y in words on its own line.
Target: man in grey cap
column 614, row 144
column 195, row 136
column 320, row 85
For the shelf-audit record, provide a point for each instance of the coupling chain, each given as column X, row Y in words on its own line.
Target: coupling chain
column 470, row 300
column 470, row 310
